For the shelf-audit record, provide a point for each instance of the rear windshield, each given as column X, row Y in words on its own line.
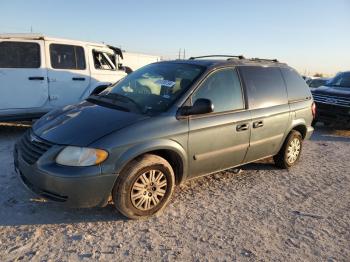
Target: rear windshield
column 155, row 87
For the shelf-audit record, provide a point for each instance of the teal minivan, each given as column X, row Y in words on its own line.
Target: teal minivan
column 162, row 125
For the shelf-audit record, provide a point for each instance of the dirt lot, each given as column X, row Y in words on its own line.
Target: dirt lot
column 260, row 214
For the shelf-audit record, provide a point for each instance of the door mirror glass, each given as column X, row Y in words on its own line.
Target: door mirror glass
column 200, row 106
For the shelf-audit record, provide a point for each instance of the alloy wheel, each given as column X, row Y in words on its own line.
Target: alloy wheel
column 293, row 150
column 148, row 190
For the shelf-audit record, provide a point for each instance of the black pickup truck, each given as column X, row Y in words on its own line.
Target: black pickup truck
column 333, row 100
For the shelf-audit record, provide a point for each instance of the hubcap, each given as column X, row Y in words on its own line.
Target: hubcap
column 293, row 150
column 148, row 190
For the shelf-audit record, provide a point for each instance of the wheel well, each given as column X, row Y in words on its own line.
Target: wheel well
column 174, row 160
column 301, row 129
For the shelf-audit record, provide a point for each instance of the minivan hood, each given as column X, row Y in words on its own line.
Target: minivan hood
column 333, row 91
column 82, row 124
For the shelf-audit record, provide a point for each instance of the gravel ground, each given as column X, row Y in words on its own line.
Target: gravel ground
column 260, row 214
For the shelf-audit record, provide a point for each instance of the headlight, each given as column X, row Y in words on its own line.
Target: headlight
column 81, row 156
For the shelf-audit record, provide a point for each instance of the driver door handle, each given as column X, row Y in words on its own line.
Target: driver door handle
column 78, row 79
column 258, row 124
column 36, row 78
column 242, row 127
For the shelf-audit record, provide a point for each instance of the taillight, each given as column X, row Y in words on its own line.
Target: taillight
column 313, row 109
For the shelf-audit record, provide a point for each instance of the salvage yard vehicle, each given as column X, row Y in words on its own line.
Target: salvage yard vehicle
column 162, row 125
column 40, row 73
column 333, row 100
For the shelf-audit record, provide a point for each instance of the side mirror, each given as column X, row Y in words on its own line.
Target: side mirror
column 200, row 106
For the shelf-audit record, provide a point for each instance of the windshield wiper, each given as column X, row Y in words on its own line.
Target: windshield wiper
column 122, row 98
column 103, row 102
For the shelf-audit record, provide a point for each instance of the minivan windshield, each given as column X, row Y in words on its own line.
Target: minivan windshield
column 340, row 80
column 155, row 87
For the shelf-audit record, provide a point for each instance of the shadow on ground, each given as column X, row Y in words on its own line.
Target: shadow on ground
column 325, row 134
column 20, row 207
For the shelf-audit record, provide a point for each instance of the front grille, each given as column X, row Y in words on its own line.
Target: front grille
column 32, row 148
column 332, row 100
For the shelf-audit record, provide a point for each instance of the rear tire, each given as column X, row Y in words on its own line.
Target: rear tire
column 144, row 187
column 290, row 152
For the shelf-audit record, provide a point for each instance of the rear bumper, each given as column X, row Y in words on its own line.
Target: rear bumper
column 75, row 187
column 309, row 132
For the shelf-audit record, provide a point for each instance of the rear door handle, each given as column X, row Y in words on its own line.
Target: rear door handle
column 258, row 124
column 78, row 79
column 242, row 127
column 36, row 78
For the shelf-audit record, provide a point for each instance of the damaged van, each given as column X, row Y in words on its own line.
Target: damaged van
column 162, row 125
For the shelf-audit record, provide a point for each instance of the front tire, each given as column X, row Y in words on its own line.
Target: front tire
column 290, row 152
column 144, row 187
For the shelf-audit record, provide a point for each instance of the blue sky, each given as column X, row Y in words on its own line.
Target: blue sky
column 310, row 35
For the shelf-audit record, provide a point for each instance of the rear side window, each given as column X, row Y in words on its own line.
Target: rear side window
column 223, row 88
column 296, row 85
column 19, row 55
column 265, row 86
column 67, row 57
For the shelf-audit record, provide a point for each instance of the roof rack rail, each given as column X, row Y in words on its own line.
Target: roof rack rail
column 207, row 56
column 264, row 59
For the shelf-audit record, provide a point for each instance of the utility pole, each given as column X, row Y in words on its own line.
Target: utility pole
column 31, row 29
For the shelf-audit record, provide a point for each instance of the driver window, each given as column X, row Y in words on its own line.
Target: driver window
column 103, row 60
column 223, row 88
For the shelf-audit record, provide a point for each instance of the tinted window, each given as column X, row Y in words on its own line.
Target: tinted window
column 296, row 85
column 265, row 86
column 67, row 57
column 223, row 88
column 19, row 55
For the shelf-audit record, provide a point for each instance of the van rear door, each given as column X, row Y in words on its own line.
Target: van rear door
column 23, row 74
column 68, row 72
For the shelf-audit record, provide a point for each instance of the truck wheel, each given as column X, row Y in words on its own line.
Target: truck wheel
column 290, row 151
column 144, row 187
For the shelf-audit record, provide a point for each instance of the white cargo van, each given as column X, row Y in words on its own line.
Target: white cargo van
column 39, row 73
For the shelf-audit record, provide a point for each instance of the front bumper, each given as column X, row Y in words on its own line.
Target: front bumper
column 73, row 186
column 332, row 113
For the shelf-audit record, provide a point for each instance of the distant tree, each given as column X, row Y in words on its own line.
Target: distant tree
column 318, row 75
